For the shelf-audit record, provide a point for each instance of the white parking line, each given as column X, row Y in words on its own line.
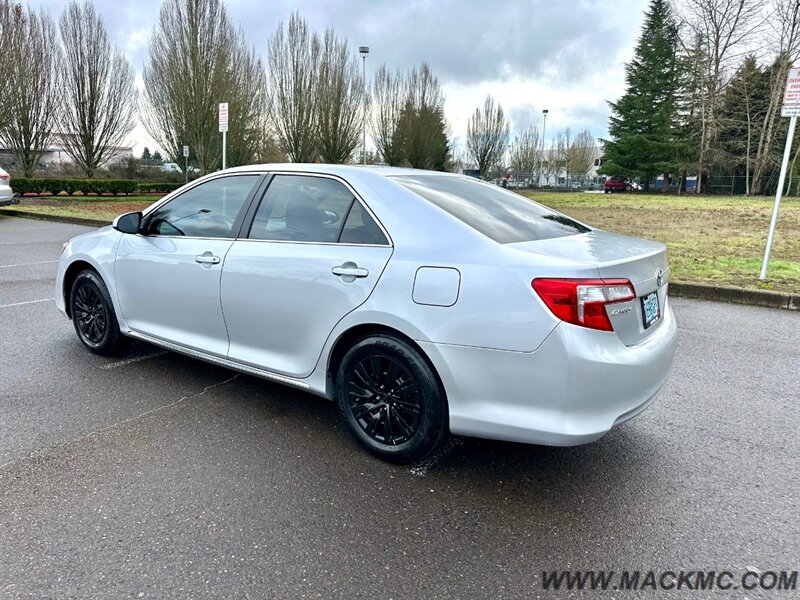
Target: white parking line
column 135, row 359
column 41, row 262
column 28, row 302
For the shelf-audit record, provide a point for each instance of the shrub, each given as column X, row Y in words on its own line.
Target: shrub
column 40, row 185
column 157, row 187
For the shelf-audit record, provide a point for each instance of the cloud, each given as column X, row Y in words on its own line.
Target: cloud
column 567, row 56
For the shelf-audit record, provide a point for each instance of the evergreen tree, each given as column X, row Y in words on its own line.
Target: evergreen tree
column 642, row 126
column 741, row 117
column 146, row 154
column 157, row 158
column 422, row 135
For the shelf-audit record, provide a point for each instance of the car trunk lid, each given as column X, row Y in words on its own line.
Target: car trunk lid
column 642, row 262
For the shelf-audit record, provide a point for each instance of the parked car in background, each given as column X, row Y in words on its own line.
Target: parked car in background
column 615, row 184
column 422, row 303
column 171, row 167
column 6, row 193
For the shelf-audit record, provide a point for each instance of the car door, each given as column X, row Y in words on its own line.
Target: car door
column 168, row 276
column 313, row 253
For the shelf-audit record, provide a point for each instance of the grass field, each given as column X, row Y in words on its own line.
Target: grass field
column 711, row 239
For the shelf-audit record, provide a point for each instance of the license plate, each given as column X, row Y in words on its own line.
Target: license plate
column 651, row 312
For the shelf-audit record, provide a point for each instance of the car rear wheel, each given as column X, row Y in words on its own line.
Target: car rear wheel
column 391, row 400
column 93, row 314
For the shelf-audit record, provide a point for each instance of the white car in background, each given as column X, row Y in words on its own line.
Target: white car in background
column 6, row 194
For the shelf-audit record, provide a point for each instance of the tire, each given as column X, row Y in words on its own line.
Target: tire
column 93, row 315
column 406, row 419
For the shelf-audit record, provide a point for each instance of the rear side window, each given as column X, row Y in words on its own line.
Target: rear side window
column 302, row 208
column 498, row 214
column 360, row 228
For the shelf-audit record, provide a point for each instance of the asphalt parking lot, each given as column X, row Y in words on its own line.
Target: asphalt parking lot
column 154, row 475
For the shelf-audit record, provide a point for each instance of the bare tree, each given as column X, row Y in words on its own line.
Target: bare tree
column 31, row 84
column 340, row 93
column 294, row 56
column 97, row 90
column 526, row 152
column 388, row 99
column 6, row 62
column 187, row 76
column 784, row 27
column 423, row 89
column 583, row 153
column 487, row 135
column 248, row 129
column 564, row 145
column 721, row 31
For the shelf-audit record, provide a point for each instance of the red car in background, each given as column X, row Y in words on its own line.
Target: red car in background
column 615, row 184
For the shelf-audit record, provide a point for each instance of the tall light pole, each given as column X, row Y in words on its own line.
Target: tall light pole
column 544, row 148
column 364, row 50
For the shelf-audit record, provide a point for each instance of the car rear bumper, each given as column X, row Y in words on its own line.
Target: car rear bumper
column 6, row 196
column 572, row 390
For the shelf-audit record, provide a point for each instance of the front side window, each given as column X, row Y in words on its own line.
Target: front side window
column 498, row 214
column 300, row 208
column 207, row 210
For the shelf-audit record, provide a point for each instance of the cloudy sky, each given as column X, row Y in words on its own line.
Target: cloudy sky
column 563, row 55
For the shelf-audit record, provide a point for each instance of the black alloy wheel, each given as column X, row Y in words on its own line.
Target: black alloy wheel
column 384, row 399
column 391, row 400
column 93, row 314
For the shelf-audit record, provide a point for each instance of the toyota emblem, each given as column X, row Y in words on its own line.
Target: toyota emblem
column 659, row 277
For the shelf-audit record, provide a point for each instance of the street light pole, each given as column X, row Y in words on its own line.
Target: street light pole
column 364, row 50
column 541, row 160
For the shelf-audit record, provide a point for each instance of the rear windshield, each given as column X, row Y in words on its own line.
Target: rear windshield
column 503, row 216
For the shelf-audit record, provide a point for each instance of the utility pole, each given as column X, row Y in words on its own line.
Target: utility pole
column 544, row 147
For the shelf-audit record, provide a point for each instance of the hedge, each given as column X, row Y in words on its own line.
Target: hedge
column 39, row 185
column 145, row 187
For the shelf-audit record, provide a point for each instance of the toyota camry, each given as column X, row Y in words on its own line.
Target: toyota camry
column 422, row 303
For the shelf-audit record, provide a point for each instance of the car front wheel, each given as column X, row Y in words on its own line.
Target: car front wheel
column 93, row 314
column 391, row 400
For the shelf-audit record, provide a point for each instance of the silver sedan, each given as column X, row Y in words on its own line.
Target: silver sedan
column 422, row 303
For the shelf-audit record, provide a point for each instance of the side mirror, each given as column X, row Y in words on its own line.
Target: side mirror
column 128, row 223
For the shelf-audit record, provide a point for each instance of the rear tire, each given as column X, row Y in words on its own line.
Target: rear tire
column 391, row 400
column 93, row 314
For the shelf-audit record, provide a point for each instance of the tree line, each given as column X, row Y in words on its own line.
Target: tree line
column 702, row 100
column 704, row 94
column 64, row 81
column 69, row 86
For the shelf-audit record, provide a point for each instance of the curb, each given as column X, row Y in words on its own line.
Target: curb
column 700, row 291
column 735, row 295
column 54, row 218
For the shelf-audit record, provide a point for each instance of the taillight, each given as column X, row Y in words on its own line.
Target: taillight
column 5, row 176
column 583, row 301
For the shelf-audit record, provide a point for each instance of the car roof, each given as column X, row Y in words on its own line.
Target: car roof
column 334, row 169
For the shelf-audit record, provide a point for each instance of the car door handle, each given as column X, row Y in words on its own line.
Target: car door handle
column 349, row 269
column 207, row 259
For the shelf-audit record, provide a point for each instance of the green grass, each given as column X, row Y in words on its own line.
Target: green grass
column 716, row 239
column 104, row 208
